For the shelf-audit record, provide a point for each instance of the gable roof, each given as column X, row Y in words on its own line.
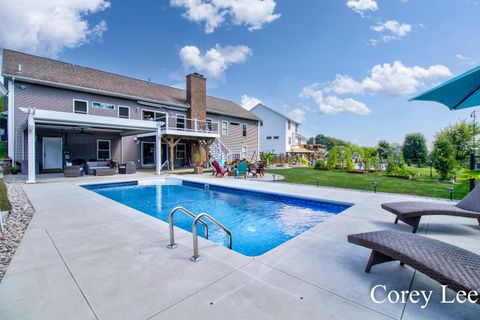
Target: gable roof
column 274, row 111
column 57, row 73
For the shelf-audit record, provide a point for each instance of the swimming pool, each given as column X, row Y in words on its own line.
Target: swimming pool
column 258, row 221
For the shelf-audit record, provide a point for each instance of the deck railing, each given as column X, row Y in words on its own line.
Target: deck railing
column 180, row 123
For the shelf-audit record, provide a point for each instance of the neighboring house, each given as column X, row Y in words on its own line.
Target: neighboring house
column 278, row 133
column 58, row 110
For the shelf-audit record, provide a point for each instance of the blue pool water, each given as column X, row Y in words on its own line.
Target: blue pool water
column 258, row 222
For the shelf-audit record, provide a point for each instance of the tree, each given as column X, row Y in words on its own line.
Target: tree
column 311, row 140
column 415, row 148
column 384, row 149
column 330, row 142
column 443, row 155
column 460, row 135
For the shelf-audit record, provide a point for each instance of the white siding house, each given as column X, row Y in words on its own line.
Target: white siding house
column 278, row 133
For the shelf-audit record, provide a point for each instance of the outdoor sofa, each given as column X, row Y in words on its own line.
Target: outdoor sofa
column 73, row 171
column 411, row 212
column 457, row 268
column 99, row 168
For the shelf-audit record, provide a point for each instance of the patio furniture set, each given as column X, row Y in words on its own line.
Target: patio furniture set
column 99, row 168
column 239, row 169
column 457, row 268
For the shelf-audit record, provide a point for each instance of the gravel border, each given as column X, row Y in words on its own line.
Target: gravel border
column 15, row 224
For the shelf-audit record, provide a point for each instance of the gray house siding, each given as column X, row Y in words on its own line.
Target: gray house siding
column 47, row 98
column 235, row 140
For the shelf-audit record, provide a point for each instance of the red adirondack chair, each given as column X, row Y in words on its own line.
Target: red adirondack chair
column 218, row 169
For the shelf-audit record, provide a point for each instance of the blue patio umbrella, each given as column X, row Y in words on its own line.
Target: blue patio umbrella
column 458, row 93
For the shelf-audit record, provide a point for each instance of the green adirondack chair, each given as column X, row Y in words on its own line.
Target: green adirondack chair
column 241, row 170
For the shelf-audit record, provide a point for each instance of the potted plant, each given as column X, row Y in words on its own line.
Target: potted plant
column 197, row 157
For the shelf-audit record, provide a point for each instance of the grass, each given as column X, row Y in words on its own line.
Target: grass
column 4, row 202
column 3, row 149
column 424, row 185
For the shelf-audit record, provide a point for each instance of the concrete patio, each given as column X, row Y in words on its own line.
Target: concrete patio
column 88, row 257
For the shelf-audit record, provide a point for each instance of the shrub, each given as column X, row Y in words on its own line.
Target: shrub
column 320, row 165
column 303, row 161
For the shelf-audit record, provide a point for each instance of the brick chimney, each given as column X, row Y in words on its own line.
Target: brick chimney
column 197, row 96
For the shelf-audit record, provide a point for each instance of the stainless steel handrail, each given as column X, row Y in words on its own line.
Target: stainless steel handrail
column 170, row 225
column 196, row 257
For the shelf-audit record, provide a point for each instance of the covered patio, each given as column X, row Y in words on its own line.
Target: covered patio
column 52, row 137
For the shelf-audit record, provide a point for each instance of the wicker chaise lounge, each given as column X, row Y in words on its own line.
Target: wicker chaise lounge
column 455, row 267
column 411, row 212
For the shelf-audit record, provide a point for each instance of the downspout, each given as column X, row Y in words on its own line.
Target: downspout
column 11, row 120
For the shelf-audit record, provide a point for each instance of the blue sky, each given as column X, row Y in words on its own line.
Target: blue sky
column 346, row 68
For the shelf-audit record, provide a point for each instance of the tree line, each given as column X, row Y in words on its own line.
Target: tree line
column 450, row 149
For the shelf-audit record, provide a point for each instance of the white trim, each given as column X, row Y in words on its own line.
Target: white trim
column 184, row 151
column 221, row 129
column 44, row 154
column 89, row 90
column 11, row 120
column 67, row 118
column 118, row 113
column 141, row 154
column 246, row 130
column 246, row 152
column 73, row 105
column 184, row 120
column 109, row 149
column 114, row 106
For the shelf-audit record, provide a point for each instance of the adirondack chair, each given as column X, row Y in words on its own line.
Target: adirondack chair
column 241, row 170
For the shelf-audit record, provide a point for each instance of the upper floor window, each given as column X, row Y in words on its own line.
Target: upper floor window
column 244, row 130
column 124, row 112
column 180, row 124
column 101, row 105
column 209, row 124
column 269, row 137
column 261, row 123
column 296, row 127
column 289, row 140
column 154, row 116
column 80, row 106
column 224, row 128
column 289, row 125
column 275, row 137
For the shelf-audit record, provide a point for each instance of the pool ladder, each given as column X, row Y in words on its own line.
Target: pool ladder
column 196, row 256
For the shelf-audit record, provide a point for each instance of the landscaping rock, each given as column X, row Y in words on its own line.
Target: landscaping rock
column 15, row 224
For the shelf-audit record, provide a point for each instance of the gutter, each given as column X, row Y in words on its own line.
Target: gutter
column 95, row 91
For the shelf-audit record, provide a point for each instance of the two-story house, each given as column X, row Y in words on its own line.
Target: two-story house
column 278, row 133
column 59, row 111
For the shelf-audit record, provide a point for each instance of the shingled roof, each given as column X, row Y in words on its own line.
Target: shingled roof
column 54, row 72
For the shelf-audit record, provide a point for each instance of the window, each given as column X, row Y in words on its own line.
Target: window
column 244, row 152
column 296, row 127
column 180, row 151
column 244, row 130
column 80, row 106
column 180, row 122
column 154, row 116
column 101, row 105
column 289, row 125
column 209, row 124
column 275, row 137
column 261, row 123
column 290, row 140
column 103, row 149
column 123, row 112
column 269, row 138
column 224, row 128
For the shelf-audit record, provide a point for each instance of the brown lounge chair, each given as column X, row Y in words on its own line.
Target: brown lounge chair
column 452, row 266
column 411, row 212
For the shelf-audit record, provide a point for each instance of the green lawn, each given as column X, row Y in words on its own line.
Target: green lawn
column 4, row 202
column 3, row 149
column 423, row 185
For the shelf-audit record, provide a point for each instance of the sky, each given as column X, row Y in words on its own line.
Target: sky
column 344, row 68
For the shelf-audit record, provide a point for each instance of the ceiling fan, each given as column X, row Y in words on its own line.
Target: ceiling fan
column 81, row 131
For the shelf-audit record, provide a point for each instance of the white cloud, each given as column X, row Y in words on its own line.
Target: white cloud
column 395, row 27
column 215, row 61
column 249, row 102
column 332, row 104
column 362, row 6
column 251, row 13
column 48, row 26
column 297, row 114
column 467, row 61
column 393, row 79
